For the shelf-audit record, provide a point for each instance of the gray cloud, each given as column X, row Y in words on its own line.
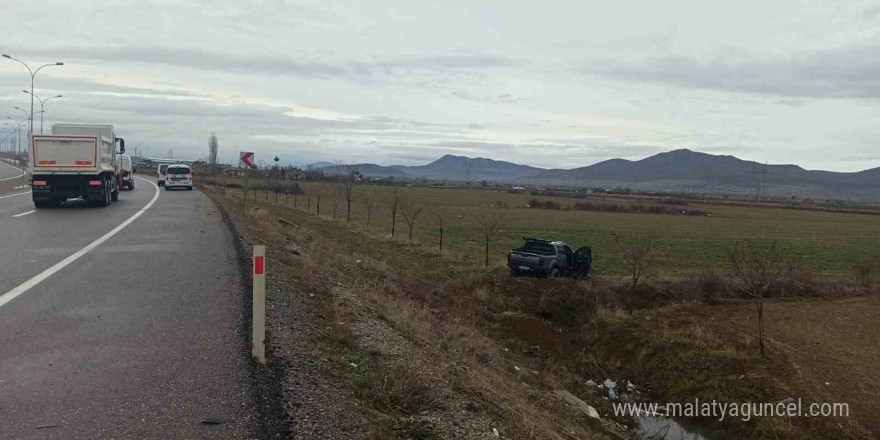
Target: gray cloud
column 845, row 72
column 298, row 65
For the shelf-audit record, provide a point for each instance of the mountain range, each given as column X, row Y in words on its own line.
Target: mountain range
column 678, row 170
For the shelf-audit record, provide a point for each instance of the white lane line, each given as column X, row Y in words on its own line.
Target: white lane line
column 25, row 213
column 40, row 277
column 13, row 195
column 23, row 172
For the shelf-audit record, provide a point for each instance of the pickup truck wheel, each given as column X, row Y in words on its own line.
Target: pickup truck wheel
column 514, row 273
column 554, row 273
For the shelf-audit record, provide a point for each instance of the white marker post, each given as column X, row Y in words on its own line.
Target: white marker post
column 258, row 343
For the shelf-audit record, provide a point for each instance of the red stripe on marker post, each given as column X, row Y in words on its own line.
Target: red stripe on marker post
column 258, row 341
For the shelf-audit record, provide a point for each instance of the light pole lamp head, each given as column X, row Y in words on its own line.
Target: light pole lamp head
column 59, row 64
column 6, row 56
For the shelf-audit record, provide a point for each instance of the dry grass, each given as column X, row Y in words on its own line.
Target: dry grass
column 476, row 325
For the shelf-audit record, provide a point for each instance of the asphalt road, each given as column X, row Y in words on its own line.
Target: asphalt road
column 8, row 172
column 140, row 337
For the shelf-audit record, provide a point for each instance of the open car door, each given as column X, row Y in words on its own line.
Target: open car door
column 583, row 262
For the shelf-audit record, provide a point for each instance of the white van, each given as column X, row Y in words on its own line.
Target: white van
column 178, row 176
column 161, row 169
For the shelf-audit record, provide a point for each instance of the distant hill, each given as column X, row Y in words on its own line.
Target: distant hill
column 689, row 170
column 679, row 170
column 366, row 170
column 465, row 168
column 319, row 165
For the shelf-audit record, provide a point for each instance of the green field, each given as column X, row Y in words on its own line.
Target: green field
column 825, row 243
column 822, row 242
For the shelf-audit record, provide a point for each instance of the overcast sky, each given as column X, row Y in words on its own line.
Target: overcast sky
column 557, row 84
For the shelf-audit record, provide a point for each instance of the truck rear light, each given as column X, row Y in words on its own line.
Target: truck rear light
column 41, row 183
column 95, row 183
column 190, row 176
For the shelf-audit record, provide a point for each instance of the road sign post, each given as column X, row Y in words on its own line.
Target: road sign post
column 258, row 343
column 246, row 161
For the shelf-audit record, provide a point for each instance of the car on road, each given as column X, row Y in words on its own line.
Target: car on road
column 178, row 176
column 161, row 171
column 549, row 258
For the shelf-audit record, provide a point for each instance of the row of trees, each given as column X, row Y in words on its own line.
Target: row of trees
column 486, row 221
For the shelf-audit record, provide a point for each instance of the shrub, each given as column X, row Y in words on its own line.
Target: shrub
column 866, row 272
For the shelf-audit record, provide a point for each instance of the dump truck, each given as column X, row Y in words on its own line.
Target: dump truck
column 75, row 161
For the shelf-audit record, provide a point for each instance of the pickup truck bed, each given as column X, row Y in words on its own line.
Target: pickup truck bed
column 549, row 258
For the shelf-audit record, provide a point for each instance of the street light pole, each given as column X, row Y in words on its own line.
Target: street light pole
column 33, row 74
column 18, row 146
column 18, row 139
column 42, row 105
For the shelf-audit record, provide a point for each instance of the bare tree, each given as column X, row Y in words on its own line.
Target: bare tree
column 267, row 176
column 638, row 254
column 394, row 206
column 369, row 202
column 488, row 222
column 348, row 188
column 440, row 215
column 213, row 149
column 318, row 192
column 758, row 269
column 410, row 213
column 334, row 199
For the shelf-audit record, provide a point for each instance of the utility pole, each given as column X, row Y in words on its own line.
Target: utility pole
column 758, row 178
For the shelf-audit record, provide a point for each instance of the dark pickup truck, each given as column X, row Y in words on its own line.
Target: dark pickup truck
column 550, row 259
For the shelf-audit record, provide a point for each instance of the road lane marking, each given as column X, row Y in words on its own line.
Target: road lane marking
column 23, row 172
column 42, row 276
column 13, row 195
column 25, row 213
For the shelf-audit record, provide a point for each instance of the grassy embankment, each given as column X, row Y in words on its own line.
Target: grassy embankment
column 568, row 331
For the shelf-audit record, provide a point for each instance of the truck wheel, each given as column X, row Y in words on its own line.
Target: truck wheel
column 514, row 273
column 554, row 273
column 114, row 195
column 41, row 204
column 106, row 193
